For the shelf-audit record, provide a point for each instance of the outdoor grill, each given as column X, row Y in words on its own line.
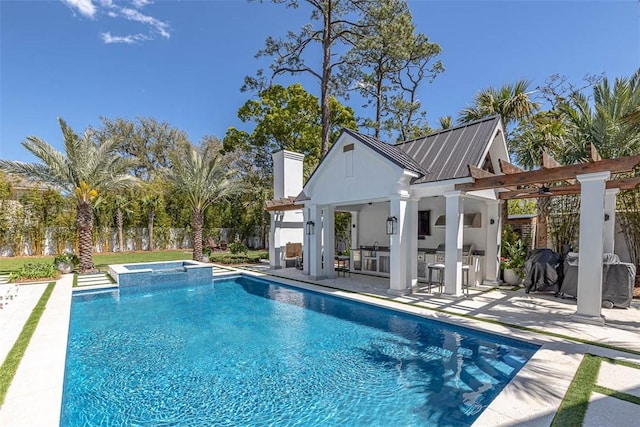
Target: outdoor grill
column 467, row 252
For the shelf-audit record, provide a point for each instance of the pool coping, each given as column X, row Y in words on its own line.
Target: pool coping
column 121, row 271
column 532, row 397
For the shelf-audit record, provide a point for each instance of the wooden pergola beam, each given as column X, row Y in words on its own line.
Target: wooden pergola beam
column 561, row 173
column 593, row 154
column 548, row 162
column 285, row 204
column 563, row 190
column 508, row 168
column 476, row 172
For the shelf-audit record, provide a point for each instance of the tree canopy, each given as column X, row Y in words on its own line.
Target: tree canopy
column 87, row 169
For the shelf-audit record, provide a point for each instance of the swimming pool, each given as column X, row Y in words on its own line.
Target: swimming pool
column 243, row 351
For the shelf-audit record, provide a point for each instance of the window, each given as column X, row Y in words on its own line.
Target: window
column 424, row 223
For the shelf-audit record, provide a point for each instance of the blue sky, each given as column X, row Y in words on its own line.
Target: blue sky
column 184, row 61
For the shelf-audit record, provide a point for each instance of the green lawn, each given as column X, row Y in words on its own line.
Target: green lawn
column 102, row 261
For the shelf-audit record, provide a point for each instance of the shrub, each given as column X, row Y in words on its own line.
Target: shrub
column 225, row 258
column 515, row 256
column 237, row 247
column 67, row 258
column 34, row 270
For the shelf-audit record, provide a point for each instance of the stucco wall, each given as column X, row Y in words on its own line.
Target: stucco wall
column 372, row 177
column 372, row 224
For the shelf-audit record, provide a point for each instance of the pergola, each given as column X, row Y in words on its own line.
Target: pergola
column 592, row 180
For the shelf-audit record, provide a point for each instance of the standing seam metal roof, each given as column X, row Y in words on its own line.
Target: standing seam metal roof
column 447, row 153
column 438, row 156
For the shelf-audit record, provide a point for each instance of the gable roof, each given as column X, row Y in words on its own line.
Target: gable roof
column 391, row 152
column 438, row 156
column 447, row 153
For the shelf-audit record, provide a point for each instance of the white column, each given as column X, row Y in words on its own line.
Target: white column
column 412, row 246
column 591, row 241
column 329, row 240
column 306, row 242
column 492, row 254
column 315, row 244
column 275, row 255
column 354, row 230
column 398, row 247
column 453, row 243
column 610, row 219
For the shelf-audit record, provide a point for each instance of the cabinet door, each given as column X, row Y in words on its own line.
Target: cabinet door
column 384, row 263
column 369, row 264
column 422, row 269
column 356, row 259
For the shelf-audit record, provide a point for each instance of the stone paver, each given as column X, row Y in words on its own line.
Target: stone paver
column 606, row 411
column 15, row 314
column 35, row 394
column 620, row 378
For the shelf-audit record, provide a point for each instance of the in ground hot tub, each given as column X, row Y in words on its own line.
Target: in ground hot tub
column 150, row 273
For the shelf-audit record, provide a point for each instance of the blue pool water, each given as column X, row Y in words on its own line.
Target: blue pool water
column 247, row 352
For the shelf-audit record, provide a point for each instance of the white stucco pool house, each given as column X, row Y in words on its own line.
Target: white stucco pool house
column 432, row 200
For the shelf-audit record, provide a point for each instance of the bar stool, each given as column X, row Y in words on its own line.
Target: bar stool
column 465, row 275
column 439, row 268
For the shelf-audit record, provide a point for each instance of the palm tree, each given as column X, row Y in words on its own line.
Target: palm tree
column 203, row 177
column 511, row 101
column 123, row 207
column 544, row 132
column 612, row 124
column 445, row 122
column 85, row 170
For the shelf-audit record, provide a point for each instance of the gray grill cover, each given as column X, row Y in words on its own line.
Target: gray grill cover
column 617, row 279
column 541, row 271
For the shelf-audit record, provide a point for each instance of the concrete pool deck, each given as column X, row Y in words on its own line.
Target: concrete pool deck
column 531, row 398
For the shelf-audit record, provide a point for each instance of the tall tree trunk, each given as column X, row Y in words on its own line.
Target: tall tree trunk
column 151, row 215
column 120, row 224
column 326, row 77
column 378, row 100
column 198, row 224
column 542, row 230
column 84, row 223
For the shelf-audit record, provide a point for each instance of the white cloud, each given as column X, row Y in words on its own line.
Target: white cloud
column 85, row 7
column 130, row 39
column 140, row 3
column 114, row 9
column 134, row 15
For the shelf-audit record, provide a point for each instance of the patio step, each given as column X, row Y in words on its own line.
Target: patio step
column 94, row 280
column 4, row 278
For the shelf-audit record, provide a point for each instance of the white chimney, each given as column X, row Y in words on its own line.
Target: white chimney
column 287, row 174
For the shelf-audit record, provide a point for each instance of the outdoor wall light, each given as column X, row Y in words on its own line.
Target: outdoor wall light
column 492, row 221
column 606, row 217
column 392, row 225
column 309, row 227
